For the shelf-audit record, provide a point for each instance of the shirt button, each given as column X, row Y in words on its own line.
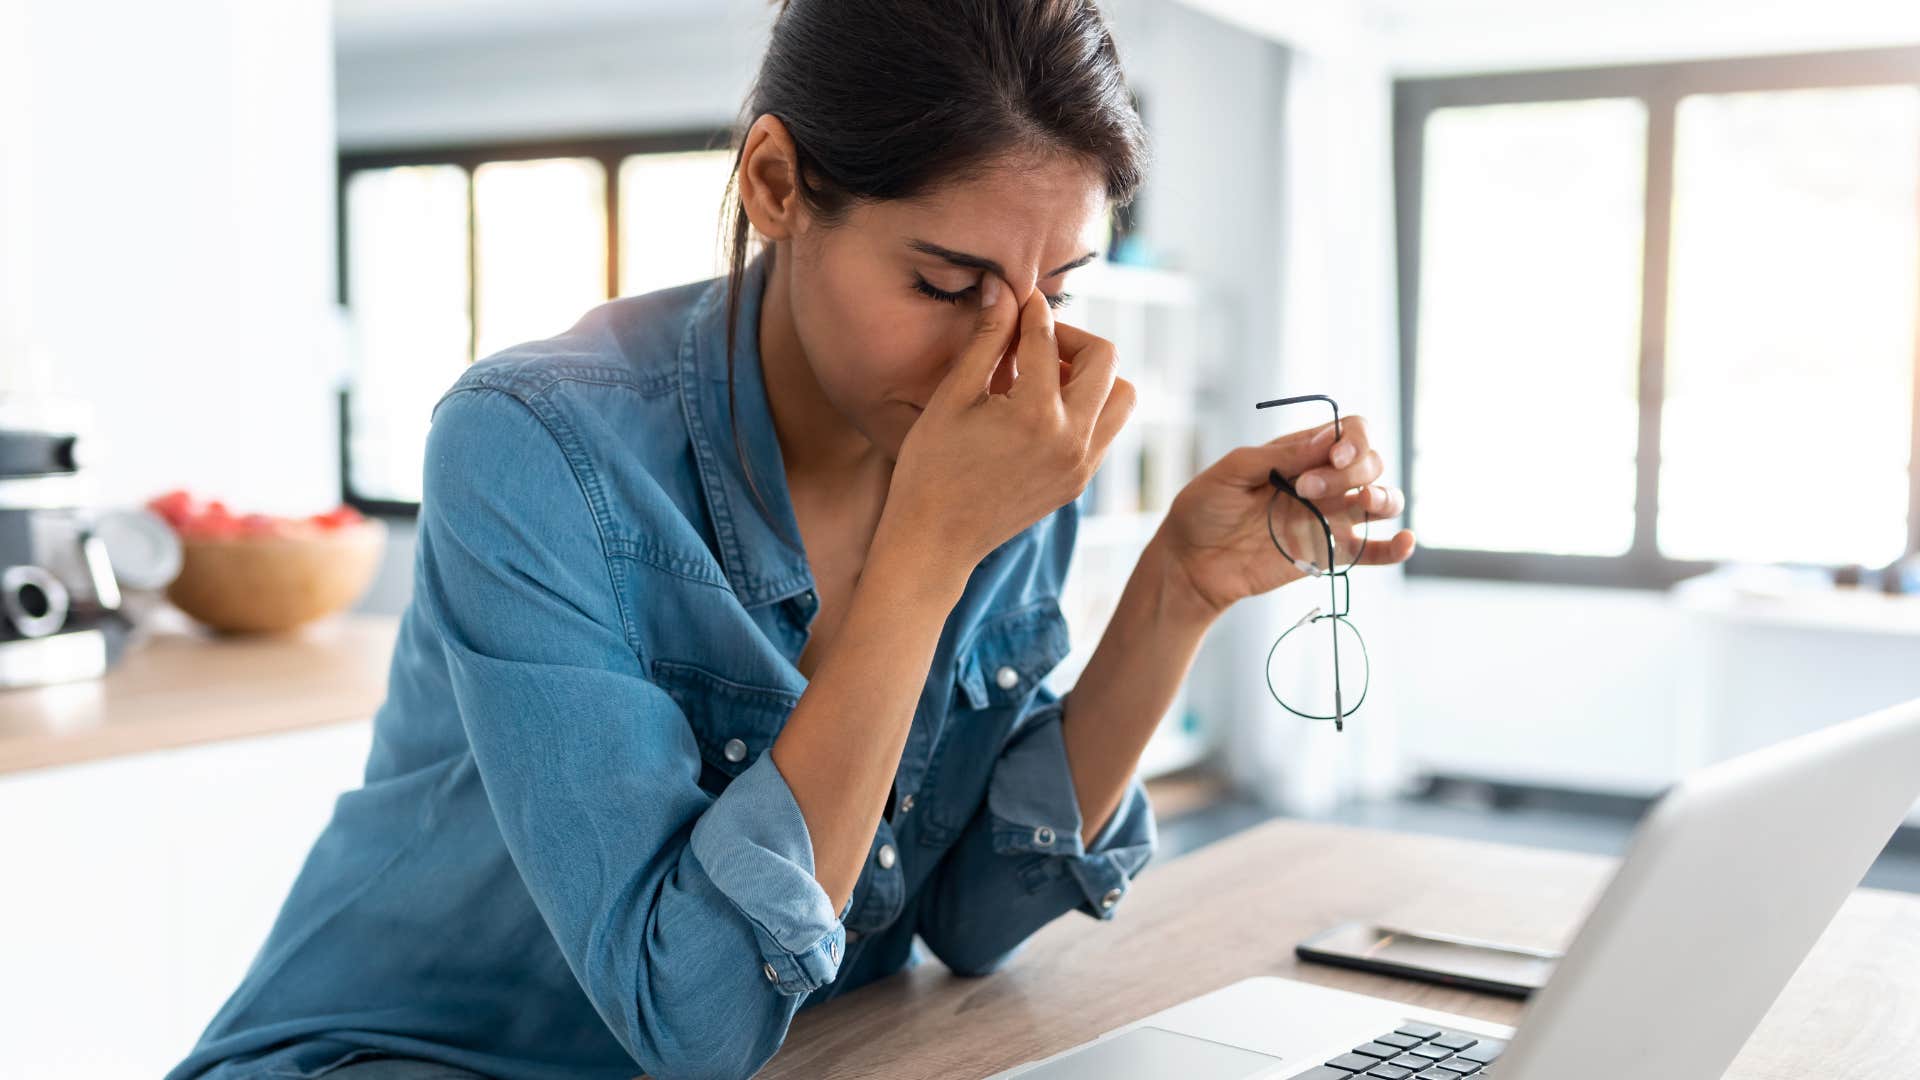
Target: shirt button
column 886, row 856
column 833, row 951
column 1111, row 898
column 906, row 803
column 772, row 975
column 1043, row 836
column 735, row 750
column 1007, row 678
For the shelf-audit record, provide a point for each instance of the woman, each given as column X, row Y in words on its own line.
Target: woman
column 720, row 680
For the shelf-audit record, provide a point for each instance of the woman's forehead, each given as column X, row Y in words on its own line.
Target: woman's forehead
column 1029, row 220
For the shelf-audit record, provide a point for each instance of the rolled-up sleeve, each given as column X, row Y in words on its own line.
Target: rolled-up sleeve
column 1020, row 862
column 693, row 923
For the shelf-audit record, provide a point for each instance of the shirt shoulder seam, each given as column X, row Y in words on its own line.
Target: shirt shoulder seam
column 554, row 424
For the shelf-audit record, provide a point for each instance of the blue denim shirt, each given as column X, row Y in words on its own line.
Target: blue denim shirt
column 572, row 855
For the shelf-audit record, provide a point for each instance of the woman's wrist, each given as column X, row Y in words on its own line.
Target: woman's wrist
column 915, row 563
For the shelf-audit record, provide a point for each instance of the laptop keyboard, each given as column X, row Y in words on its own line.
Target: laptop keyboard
column 1414, row 1052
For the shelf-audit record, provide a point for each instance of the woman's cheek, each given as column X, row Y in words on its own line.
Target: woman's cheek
column 913, row 349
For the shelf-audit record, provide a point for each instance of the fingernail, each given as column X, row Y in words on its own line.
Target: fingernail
column 1342, row 455
column 1312, row 487
column 989, row 290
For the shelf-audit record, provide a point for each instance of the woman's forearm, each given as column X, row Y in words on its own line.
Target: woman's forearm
column 842, row 744
column 1130, row 682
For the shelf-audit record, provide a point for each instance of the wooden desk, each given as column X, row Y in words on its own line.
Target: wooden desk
column 179, row 684
column 1236, row 909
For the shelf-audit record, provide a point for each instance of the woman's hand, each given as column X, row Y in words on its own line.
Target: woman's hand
column 980, row 466
column 1216, row 531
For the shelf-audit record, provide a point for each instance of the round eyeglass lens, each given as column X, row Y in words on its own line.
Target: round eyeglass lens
column 1301, row 667
column 1301, row 538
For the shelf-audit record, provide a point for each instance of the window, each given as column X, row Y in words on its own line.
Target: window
column 449, row 256
column 1658, row 317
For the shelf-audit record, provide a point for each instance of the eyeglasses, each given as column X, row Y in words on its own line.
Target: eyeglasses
column 1307, row 651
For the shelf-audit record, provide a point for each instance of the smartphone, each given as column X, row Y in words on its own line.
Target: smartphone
column 1429, row 957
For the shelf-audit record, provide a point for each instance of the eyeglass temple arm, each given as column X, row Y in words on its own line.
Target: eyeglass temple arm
column 1274, row 478
column 1302, row 398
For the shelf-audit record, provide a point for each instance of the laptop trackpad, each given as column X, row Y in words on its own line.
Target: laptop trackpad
column 1151, row 1053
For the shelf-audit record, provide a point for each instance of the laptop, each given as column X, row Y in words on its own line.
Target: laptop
column 1728, row 881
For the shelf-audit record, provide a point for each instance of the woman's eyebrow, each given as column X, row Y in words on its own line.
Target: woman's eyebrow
column 976, row 262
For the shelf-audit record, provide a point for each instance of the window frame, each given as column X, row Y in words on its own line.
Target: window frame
column 1659, row 86
column 609, row 151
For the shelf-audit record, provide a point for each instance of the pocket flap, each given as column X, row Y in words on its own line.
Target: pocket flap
column 1010, row 653
column 734, row 722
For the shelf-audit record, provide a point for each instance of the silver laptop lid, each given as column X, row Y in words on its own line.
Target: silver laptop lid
column 1728, row 882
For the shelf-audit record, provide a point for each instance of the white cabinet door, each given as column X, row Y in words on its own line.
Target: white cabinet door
column 134, row 892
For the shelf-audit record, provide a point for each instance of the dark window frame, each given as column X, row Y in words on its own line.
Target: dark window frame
column 1660, row 86
column 609, row 151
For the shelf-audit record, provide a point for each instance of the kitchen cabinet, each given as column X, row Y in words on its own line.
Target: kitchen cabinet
column 150, row 825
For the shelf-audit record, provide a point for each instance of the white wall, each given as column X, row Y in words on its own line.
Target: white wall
column 1435, row 37
column 173, row 164
column 618, row 78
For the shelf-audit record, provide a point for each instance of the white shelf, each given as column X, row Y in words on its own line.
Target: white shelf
column 1157, row 321
column 1135, row 284
column 1855, row 610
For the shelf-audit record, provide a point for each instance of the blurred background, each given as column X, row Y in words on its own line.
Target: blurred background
column 1625, row 291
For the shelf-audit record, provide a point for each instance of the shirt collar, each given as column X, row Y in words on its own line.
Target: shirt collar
column 760, row 550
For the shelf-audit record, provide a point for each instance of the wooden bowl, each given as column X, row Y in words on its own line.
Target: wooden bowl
column 263, row 584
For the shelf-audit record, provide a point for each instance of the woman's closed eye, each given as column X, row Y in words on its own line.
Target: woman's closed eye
column 928, row 289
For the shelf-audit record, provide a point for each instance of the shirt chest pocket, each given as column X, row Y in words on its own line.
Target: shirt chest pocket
column 996, row 672
column 733, row 722
column 1010, row 653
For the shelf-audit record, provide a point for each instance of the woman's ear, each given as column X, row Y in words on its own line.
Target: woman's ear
column 769, row 167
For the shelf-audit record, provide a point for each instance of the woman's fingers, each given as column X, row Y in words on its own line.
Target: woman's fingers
column 1089, row 372
column 1115, row 407
column 1292, row 454
column 1038, row 353
column 1319, row 482
column 1093, row 371
column 1072, row 340
column 1348, row 463
column 1385, row 551
column 993, row 330
column 1376, row 501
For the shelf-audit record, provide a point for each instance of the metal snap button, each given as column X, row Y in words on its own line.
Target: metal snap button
column 833, row 951
column 772, row 975
column 1111, row 898
column 1007, row 677
column 735, row 750
column 886, row 856
column 906, row 803
column 1043, row 836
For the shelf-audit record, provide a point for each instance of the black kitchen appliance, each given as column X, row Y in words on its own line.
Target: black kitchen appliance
column 60, row 601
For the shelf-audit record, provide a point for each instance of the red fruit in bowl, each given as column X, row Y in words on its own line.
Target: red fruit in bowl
column 174, row 506
column 257, row 525
column 338, row 517
column 194, row 519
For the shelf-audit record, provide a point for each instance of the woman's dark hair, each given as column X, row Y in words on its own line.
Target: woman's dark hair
column 889, row 99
